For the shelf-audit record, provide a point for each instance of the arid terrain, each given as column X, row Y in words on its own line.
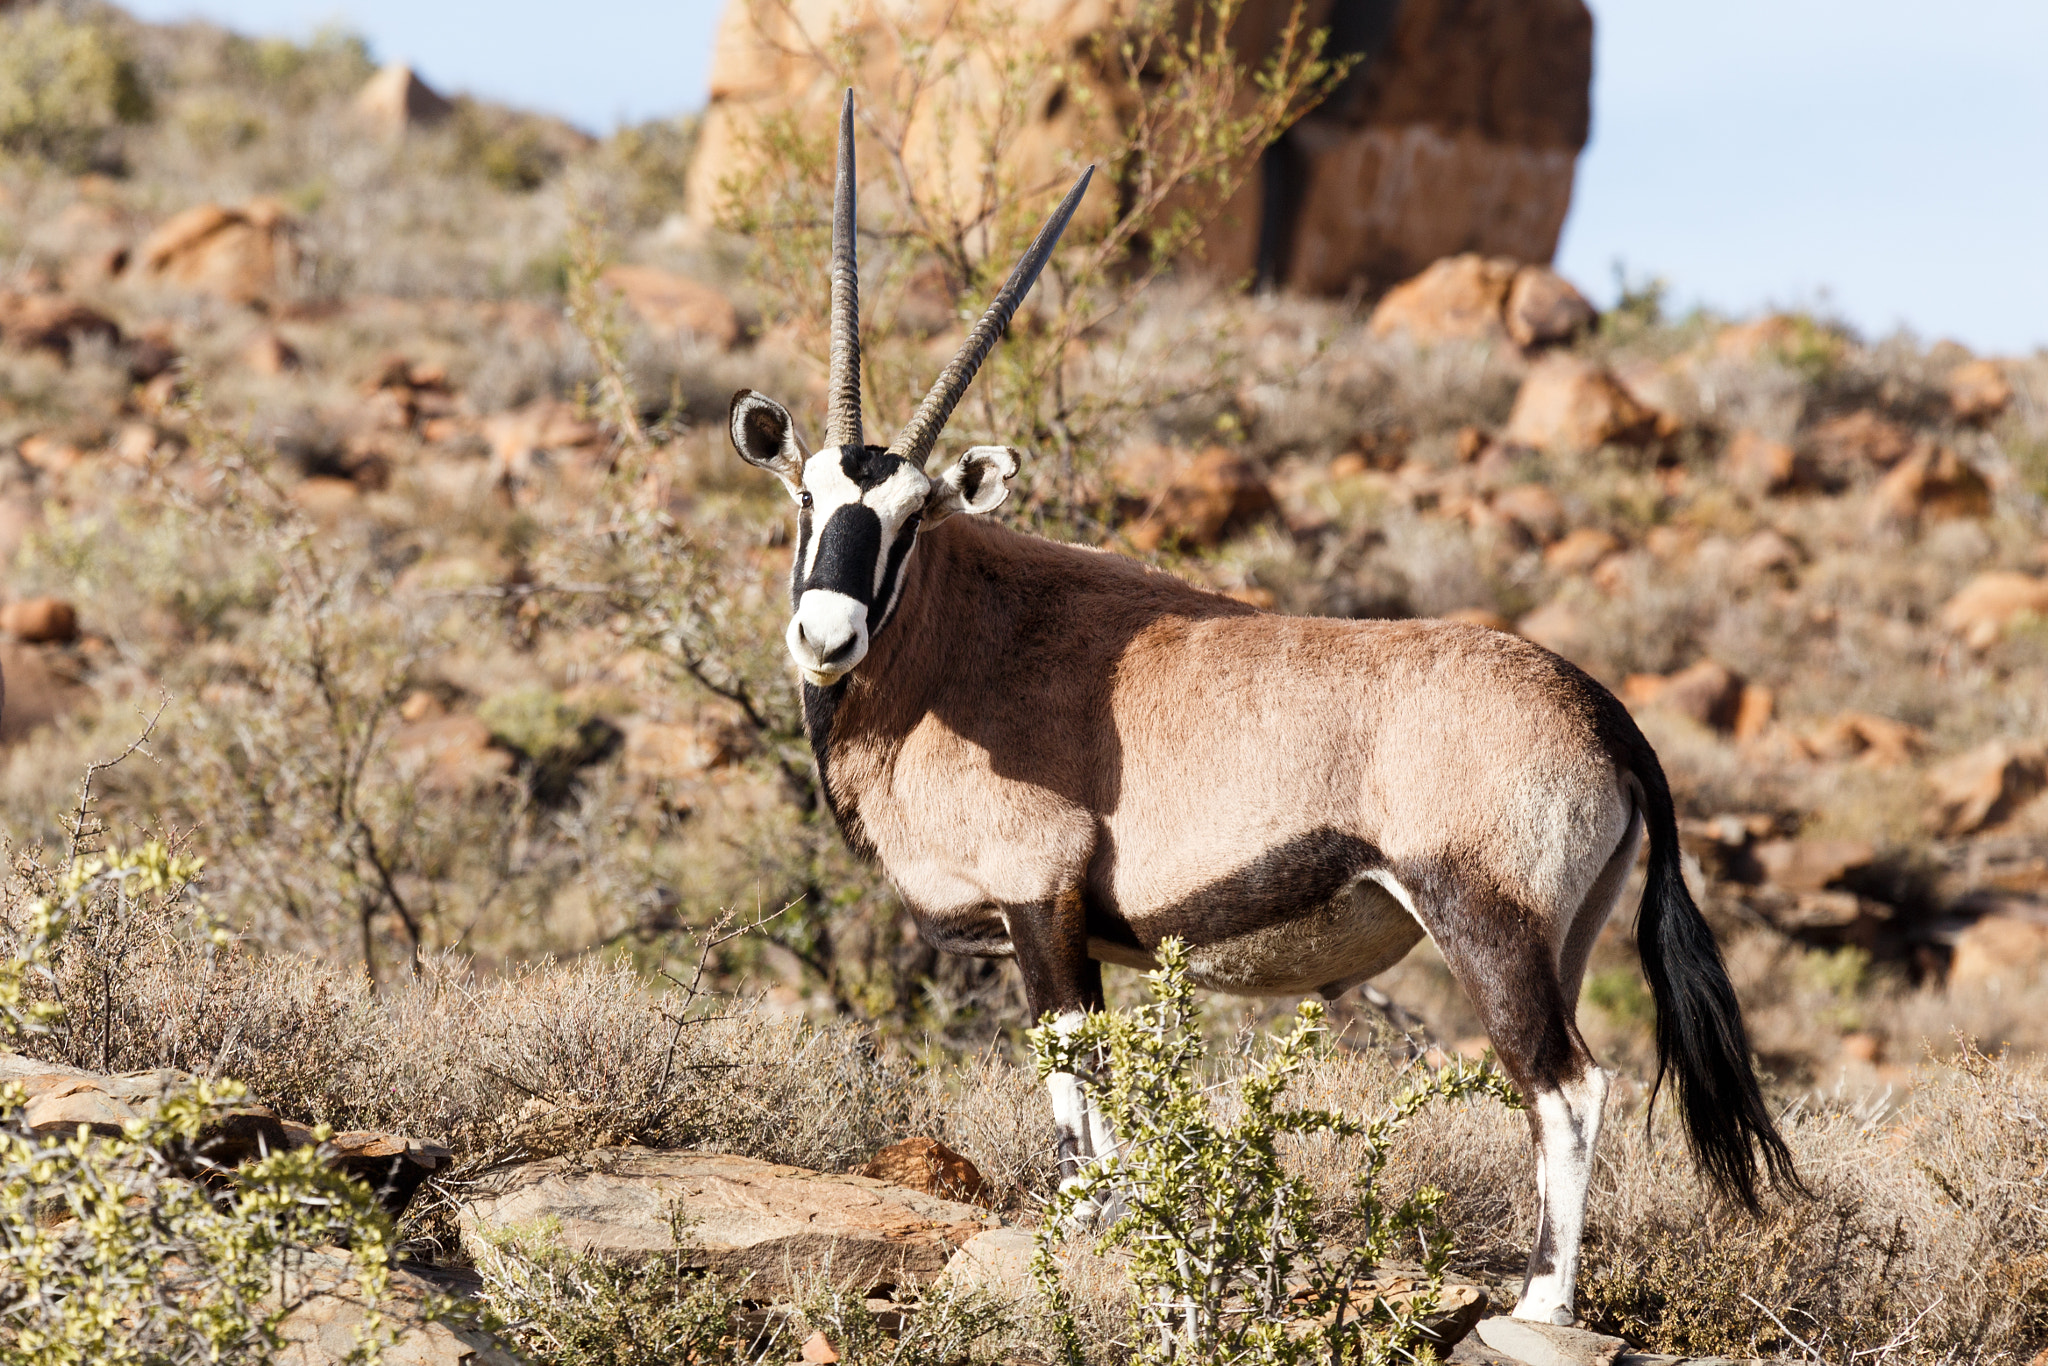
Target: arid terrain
column 364, row 482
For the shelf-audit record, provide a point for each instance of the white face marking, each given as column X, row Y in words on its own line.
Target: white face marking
column 829, row 631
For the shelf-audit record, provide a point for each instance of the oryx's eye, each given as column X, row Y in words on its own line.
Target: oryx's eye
column 803, row 500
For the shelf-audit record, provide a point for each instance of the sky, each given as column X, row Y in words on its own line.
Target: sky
column 1875, row 161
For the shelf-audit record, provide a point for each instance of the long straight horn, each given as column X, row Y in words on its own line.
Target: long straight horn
column 922, row 432
column 842, row 414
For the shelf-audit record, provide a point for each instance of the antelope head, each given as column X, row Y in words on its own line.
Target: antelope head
column 860, row 507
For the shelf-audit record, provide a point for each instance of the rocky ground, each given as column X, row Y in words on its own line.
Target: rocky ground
column 377, row 440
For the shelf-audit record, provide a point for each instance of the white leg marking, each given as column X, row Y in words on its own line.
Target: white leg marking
column 1567, row 1127
column 1084, row 1131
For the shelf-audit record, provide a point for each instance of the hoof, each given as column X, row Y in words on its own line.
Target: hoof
column 1535, row 1311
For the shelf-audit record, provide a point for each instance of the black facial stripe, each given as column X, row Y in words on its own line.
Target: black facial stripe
column 898, row 553
column 848, row 547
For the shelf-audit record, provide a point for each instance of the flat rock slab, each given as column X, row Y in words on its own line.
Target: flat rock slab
column 1541, row 1344
column 327, row 1317
column 740, row 1216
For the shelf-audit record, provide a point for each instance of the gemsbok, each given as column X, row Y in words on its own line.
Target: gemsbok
column 1063, row 756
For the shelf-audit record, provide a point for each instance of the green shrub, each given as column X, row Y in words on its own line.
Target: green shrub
column 1225, row 1258
column 64, row 85
column 110, row 1250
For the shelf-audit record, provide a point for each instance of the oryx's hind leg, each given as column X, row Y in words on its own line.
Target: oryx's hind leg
column 1507, row 962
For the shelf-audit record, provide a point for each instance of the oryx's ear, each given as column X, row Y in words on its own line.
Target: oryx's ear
column 977, row 482
column 764, row 435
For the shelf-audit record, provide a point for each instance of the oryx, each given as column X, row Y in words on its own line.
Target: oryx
column 1063, row 756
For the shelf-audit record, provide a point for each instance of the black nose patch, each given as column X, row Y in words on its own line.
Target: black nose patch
column 849, row 549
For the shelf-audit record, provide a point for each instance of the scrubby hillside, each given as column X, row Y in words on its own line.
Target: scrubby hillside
column 375, row 450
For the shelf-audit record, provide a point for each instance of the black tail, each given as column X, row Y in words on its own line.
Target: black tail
column 1700, row 1038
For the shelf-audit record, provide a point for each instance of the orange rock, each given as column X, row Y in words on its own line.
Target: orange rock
column 1978, row 391
column 1878, row 741
column 451, row 754
column 1933, row 482
column 1986, row 785
column 48, row 453
column 1860, row 440
column 1210, row 497
column 396, row 100
column 925, row 1164
column 1766, row 554
column 1556, row 627
column 1580, row 550
column 270, row 354
column 40, row 621
column 1991, row 601
column 1758, row 465
column 1803, row 865
column 242, row 254
column 818, row 1347
column 51, row 322
column 1543, row 309
column 1753, row 711
column 1569, row 404
column 1705, row 692
column 135, row 443
column 656, row 750
column 1459, row 298
column 671, row 303
column 545, row 426
column 1533, row 508
column 2007, row 949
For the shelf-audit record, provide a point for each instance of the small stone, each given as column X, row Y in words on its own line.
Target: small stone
column 1978, row 391
column 1878, row 741
column 1767, row 554
column 1543, row 1344
column 1811, row 865
column 1533, row 508
column 1706, row 692
column 1986, row 785
column 1933, row 482
column 1215, row 494
column 1458, row 298
column 1580, row 550
column 925, row 1164
column 818, row 1347
column 1992, row 601
column 1860, row 440
column 1753, row 712
column 270, row 354
column 1543, row 309
column 1573, row 405
column 1758, row 465
column 40, row 621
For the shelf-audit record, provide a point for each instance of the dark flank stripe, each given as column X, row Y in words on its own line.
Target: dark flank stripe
column 1287, row 881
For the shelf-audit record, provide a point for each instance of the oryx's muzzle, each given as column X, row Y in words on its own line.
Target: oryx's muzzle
column 827, row 636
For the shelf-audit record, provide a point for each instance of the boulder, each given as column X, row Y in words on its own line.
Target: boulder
column 1810, row 865
column 1759, row 466
column 1978, row 391
column 1543, row 309
column 1707, row 693
column 818, row 1348
column 1876, row 741
column 1580, row 550
column 997, row 1261
column 450, row 754
column 52, row 322
column 1543, row 1344
column 2006, row 949
column 38, row 690
column 1933, row 482
column 1982, row 609
column 1460, row 134
column 1765, row 555
column 244, row 255
column 675, row 750
column 269, row 354
column 1986, row 785
column 1213, row 495
column 1573, row 405
column 328, row 1315
column 1534, row 509
column 925, row 1164
column 1858, row 441
column 396, row 99
column 669, row 303
column 40, row 621
column 1459, row 298
column 528, row 437
column 740, row 1216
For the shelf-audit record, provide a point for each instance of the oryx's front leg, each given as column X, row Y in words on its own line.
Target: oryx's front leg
column 1051, row 942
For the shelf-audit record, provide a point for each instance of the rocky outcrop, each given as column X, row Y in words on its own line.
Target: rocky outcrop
column 396, row 100
column 244, row 255
column 1457, row 130
column 739, row 1216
